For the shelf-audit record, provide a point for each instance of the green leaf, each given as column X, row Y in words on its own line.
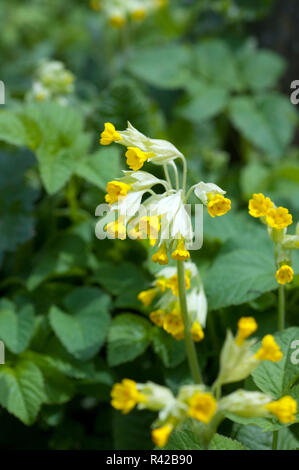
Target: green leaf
column 225, row 443
column 22, row 390
column 251, row 273
column 16, row 328
column 64, row 254
column 267, row 121
column 128, row 338
column 208, row 102
column 261, row 69
column 216, row 63
column 16, row 201
column 132, row 431
column 255, row 439
column 277, row 378
column 55, row 168
column 173, row 60
column 84, row 331
column 12, row 130
column 171, row 352
column 100, row 167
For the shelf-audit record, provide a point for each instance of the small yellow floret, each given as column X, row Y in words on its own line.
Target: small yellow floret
column 284, row 409
column 173, row 284
column 161, row 284
column 197, row 332
column 147, row 296
column 109, row 134
column 157, row 317
column 116, row 230
column 117, row 21
column 259, row 205
column 269, row 351
column 279, row 218
column 160, row 435
column 138, row 15
column 218, row 205
column 125, row 396
column 203, row 407
column 161, row 256
column 180, row 253
column 136, row 158
column 284, row 274
column 246, row 326
column 173, row 324
column 116, row 190
column 150, row 226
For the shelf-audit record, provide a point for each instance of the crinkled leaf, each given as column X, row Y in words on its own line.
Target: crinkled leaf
column 16, row 327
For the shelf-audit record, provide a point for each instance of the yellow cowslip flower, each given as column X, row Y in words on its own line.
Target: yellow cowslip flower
column 180, row 253
column 135, row 234
column 284, row 409
column 173, row 324
column 284, row 274
column 136, row 158
column 109, row 134
column 259, row 205
column 202, row 406
column 116, row 230
column 269, row 350
column 161, row 256
column 151, row 226
column 161, row 284
column 279, row 218
column 115, row 190
column 117, row 21
column 147, row 296
column 197, row 332
column 218, row 205
column 173, row 284
column 125, row 396
column 138, row 15
column 157, row 317
column 160, row 435
column 246, row 326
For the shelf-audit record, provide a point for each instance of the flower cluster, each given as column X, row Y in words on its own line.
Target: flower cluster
column 166, row 313
column 277, row 219
column 162, row 218
column 119, row 12
column 53, row 81
column 204, row 405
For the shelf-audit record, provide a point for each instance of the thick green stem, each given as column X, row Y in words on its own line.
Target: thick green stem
column 190, row 347
column 281, row 308
column 275, row 440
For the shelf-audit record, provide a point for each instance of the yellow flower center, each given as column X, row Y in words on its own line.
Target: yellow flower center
column 218, row 205
column 161, row 256
column 157, row 317
column 125, row 396
column 138, row 15
column 147, row 296
column 180, row 253
column 160, row 435
column 259, row 205
column 269, row 350
column 109, row 134
column 279, row 218
column 116, row 230
column 117, row 21
column 197, row 332
column 284, row 274
column 115, row 190
column 284, row 409
column 246, row 326
column 136, row 158
column 203, row 407
column 173, row 284
column 173, row 324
